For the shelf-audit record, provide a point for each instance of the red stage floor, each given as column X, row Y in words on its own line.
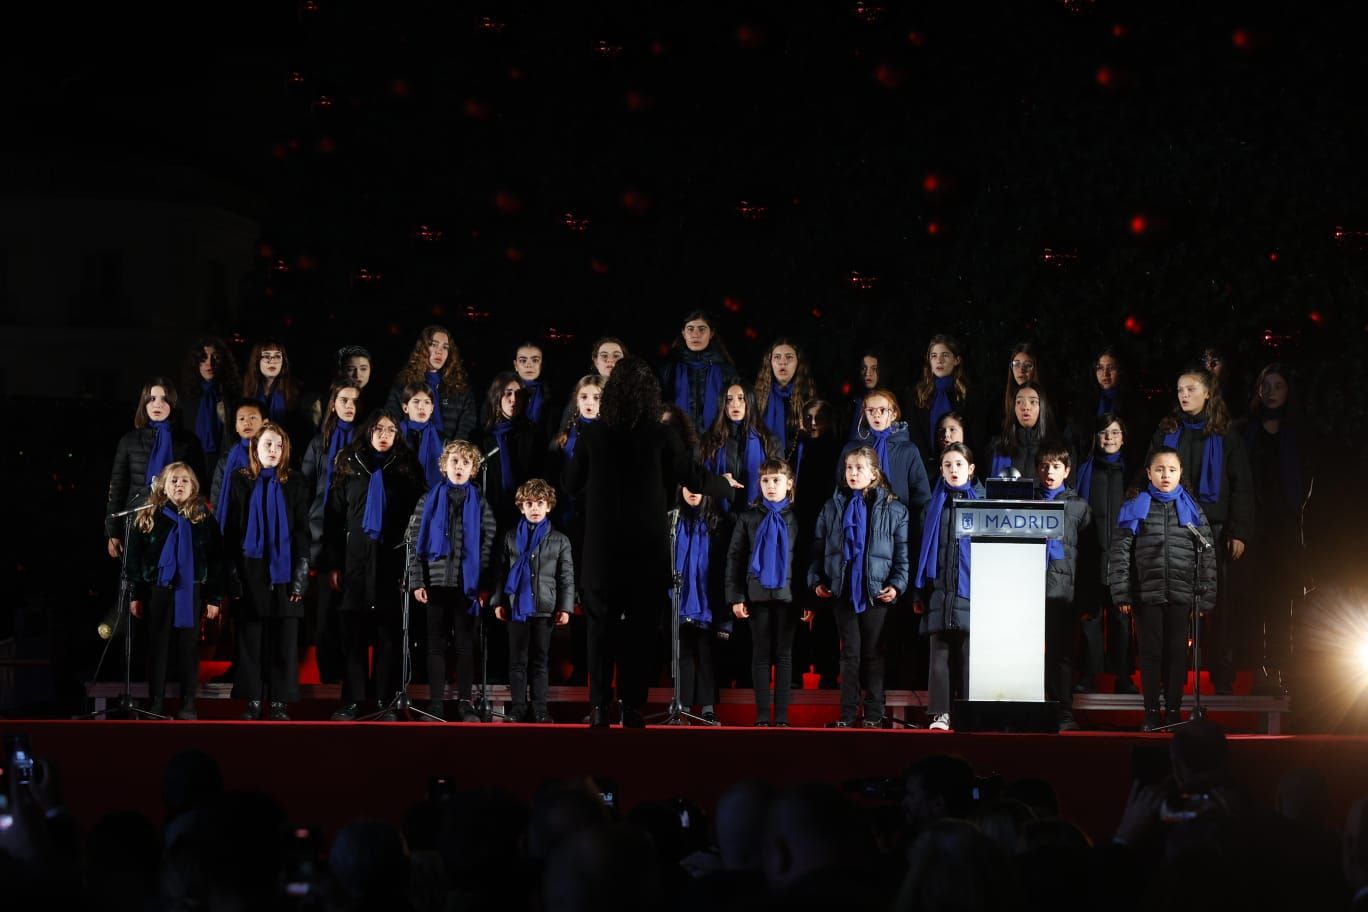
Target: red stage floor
column 331, row 773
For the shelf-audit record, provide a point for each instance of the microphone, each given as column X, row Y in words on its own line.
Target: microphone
column 1012, row 473
column 130, row 511
column 490, row 454
column 1202, row 543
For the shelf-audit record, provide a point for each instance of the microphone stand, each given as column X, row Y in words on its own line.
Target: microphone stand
column 1200, row 546
column 676, row 714
column 482, row 707
column 125, row 702
column 401, row 703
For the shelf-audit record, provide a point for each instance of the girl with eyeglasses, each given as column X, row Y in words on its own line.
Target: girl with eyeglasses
column 513, row 449
column 212, row 387
column 268, row 379
column 1023, row 366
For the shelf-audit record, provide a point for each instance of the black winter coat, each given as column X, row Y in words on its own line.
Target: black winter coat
column 1154, row 565
column 128, row 480
column 145, row 548
column 1060, row 575
column 626, row 477
column 919, row 421
column 446, row 570
column 946, row 609
column 457, row 408
column 372, row 571
column 1231, row 514
column 250, row 576
column 529, row 460
column 742, row 584
column 885, row 557
column 1023, row 455
column 188, row 409
column 695, row 404
column 553, row 574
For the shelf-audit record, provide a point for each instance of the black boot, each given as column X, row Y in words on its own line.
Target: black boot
column 347, row 713
column 278, row 713
column 1151, row 720
column 253, row 712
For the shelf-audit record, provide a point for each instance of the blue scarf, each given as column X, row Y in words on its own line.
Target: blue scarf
column 1106, row 400
column 1213, row 459
column 208, row 428
column 239, row 457
column 434, row 534
column 692, row 544
column 429, row 448
column 572, row 436
column 1054, row 547
column 275, row 407
column 854, row 534
column 161, row 450
column 1085, row 471
column 1289, row 451
column 341, row 438
column 776, row 413
column 940, row 402
column 434, row 382
column 687, row 368
column 928, row 561
column 268, row 526
column 176, row 567
column 770, row 553
column 879, row 440
column 751, row 454
column 1134, row 511
column 536, row 399
column 373, row 519
column 502, row 431
column 519, row 584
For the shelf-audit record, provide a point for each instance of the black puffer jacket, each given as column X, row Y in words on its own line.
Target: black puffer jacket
column 553, row 574
column 1154, row 565
column 885, row 556
column 457, row 408
column 946, row 609
column 252, row 575
column 742, row 584
column 527, row 448
column 446, row 570
column 1060, row 575
column 128, row 481
column 1105, row 496
column 906, row 473
column 144, row 554
column 1231, row 514
column 372, row 570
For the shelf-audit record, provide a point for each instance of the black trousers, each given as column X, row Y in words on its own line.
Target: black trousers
column 1163, row 652
column 328, row 634
column 360, row 631
column 1230, row 621
column 772, row 628
column 948, row 676
column 862, row 665
column 623, row 622
column 1061, row 629
column 697, row 676
column 529, row 644
column 448, row 619
column 165, row 640
column 283, row 659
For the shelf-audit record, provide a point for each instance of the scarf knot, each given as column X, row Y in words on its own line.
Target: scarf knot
column 267, row 533
column 161, row 450
column 691, row 560
column 373, row 516
column 434, row 533
column 176, row 567
column 770, row 553
column 929, row 559
column 1213, row 458
column 520, row 576
column 854, row 534
column 1134, row 511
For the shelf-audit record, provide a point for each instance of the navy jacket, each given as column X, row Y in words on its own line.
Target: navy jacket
column 885, row 557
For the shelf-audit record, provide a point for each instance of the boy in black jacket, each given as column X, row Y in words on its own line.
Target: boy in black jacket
column 1061, row 618
column 536, row 591
column 760, row 586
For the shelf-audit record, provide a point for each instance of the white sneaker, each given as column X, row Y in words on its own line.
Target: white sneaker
column 940, row 723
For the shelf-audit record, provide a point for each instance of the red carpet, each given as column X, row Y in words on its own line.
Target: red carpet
column 331, row 773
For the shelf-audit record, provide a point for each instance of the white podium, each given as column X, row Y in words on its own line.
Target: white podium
column 1008, row 540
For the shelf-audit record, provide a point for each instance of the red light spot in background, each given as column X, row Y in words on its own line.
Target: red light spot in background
column 1316, row 317
column 816, row 313
column 1273, row 257
column 845, row 388
column 752, row 333
column 1133, row 325
column 1118, row 31
column 1139, row 224
column 326, row 144
column 1240, row 39
column 598, row 267
column 1105, row 77
column 931, row 183
column 399, row 88
column 507, row 203
column 933, row 228
column 514, row 255
column 731, row 305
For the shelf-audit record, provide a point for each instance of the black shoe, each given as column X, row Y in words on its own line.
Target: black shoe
column 157, row 706
column 1067, row 722
column 780, row 723
column 436, row 709
column 710, row 718
column 542, row 717
column 187, row 710
column 347, row 713
column 872, row 722
column 762, row 723
column 465, row 711
column 278, row 713
column 1124, row 685
column 631, row 717
column 599, row 717
column 516, row 713
column 1151, row 720
column 1173, row 717
column 1084, row 686
column 253, row 712
column 841, row 723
